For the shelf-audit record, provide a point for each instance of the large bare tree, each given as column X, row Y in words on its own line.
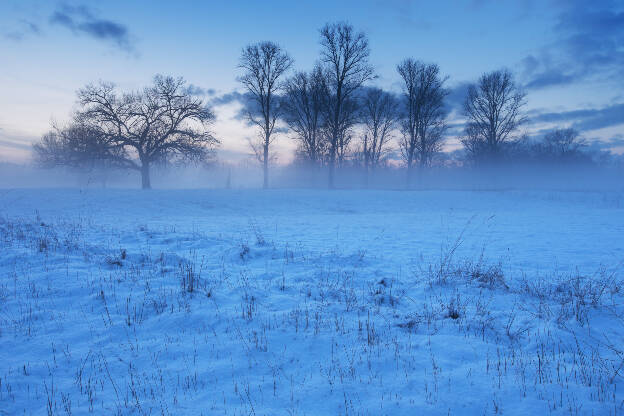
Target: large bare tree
column 264, row 64
column 344, row 54
column 160, row 123
column 423, row 116
column 379, row 114
column 304, row 104
column 493, row 108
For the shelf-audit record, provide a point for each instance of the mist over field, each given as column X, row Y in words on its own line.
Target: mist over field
column 541, row 177
column 278, row 208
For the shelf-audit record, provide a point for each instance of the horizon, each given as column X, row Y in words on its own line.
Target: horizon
column 566, row 55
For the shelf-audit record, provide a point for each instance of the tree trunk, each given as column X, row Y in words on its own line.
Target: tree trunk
column 332, row 167
column 145, row 176
column 366, row 155
column 421, row 174
column 265, row 185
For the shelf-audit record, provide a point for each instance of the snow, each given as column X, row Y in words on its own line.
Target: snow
column 309, row 302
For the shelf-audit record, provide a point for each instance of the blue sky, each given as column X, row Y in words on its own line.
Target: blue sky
column 568, row 55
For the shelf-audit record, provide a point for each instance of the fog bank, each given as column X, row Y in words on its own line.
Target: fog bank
column 573, row 178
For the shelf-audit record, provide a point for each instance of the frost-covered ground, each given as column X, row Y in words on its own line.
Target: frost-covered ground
column 311, row 302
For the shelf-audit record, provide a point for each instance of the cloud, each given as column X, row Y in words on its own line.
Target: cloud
column 550, row 77
column 245, row 100
column 403, row 11
column 15, row 145
column 606, row 144
column 15, row 140
column 588, row 39
column 81, row 20
column 196, row 90
column 584, row 119
column 457, row 96
column 229, row 97
column 26, row 28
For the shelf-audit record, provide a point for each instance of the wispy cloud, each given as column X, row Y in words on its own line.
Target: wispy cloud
column 24, row 29
column 584, row 119
column 457, row 96
column 196, row 90
column 229, row 97
column 82, row 20
column 15, row 145
column 606, row 144
column 405, row 14
column 15, row 140
column 589, row 39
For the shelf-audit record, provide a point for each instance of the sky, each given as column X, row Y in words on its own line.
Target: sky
column 567, row 55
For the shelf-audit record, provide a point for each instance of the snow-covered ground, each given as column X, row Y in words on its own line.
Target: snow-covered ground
column 300, row 302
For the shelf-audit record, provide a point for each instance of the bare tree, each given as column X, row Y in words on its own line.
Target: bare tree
column 563, row 142
column 157, row 124
column 79, row 148
column 344, row 54
column 264, row 63
column 349, row 118
column 493, row 108
column 473, row 145
column 423, row 119
column 562, row 145
column 75, row 146
column 379, row 114
column 304, row 104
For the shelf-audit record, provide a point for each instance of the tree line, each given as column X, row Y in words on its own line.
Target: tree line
column 333, row 111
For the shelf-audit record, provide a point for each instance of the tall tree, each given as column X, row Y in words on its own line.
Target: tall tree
column 264, row 64
column 304, row 103
column 159, row 123
column 379, row 114
column 344, row 54
column 423, row 117
column 493, row 109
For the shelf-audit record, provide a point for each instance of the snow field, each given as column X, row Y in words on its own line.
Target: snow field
column 310, row 302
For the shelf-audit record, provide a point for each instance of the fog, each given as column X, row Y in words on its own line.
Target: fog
column 249, row 176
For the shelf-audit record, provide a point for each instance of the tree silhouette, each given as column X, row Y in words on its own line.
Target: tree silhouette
column 264, row 64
